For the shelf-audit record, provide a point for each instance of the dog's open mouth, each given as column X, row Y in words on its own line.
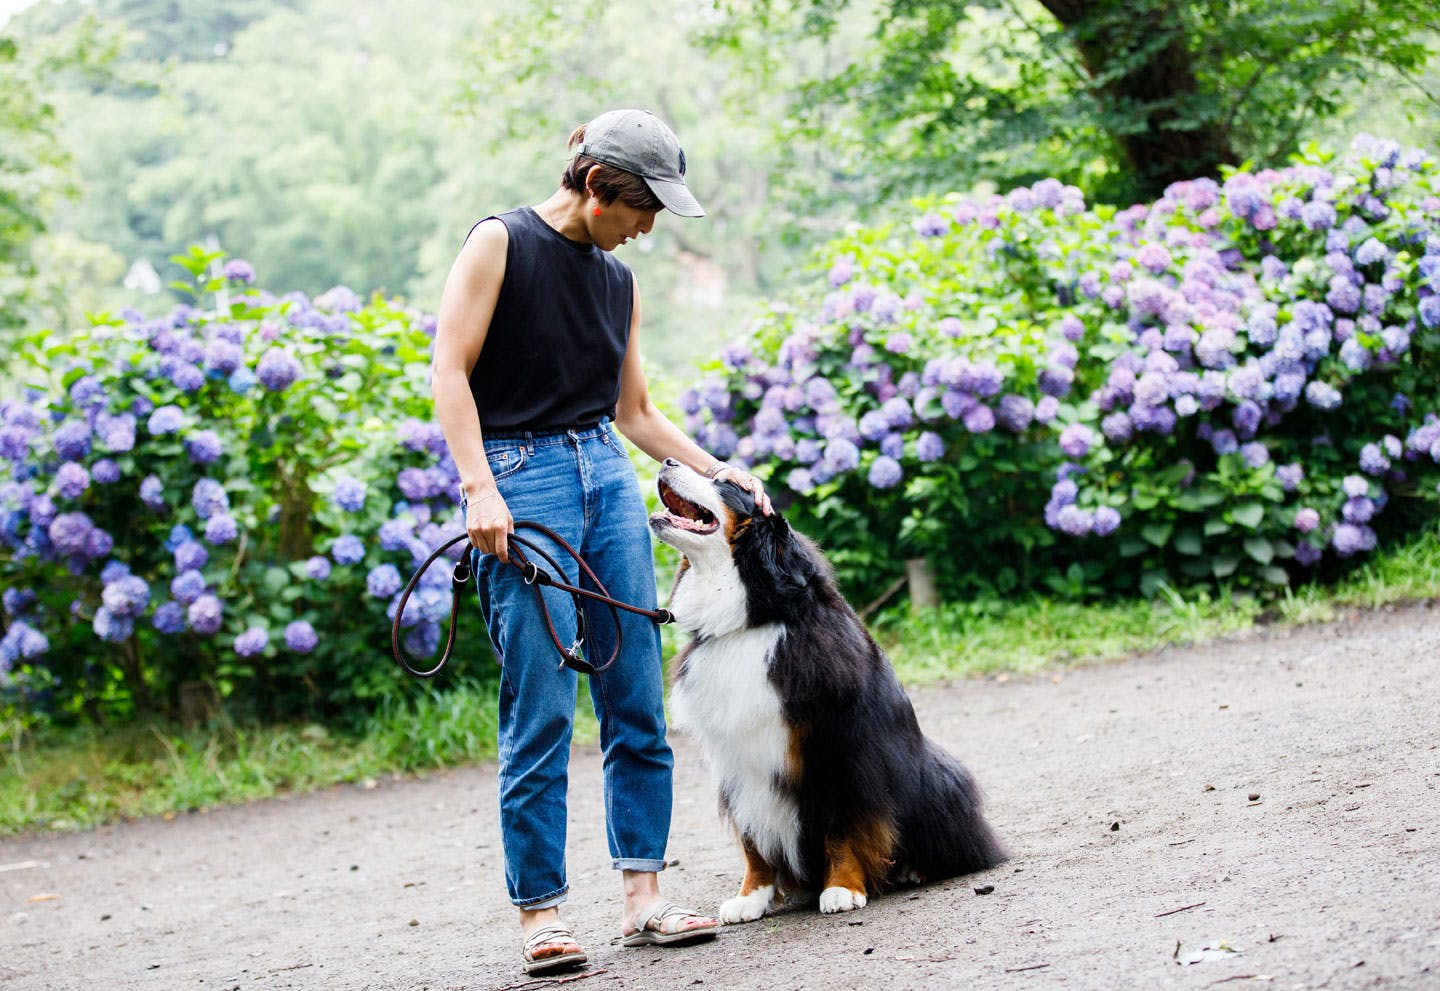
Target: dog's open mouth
column 684, row 514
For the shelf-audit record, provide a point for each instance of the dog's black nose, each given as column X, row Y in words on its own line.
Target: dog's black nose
column 671, row 463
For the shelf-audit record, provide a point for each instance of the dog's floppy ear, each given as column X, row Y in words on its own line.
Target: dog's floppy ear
column 782, row 562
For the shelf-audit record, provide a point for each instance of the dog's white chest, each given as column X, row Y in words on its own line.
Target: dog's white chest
column 726, row 702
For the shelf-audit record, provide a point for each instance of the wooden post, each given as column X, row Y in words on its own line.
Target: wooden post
column 922, row 584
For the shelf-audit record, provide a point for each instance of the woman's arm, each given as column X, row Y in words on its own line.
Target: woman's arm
column 642, row 422
column 466, row 307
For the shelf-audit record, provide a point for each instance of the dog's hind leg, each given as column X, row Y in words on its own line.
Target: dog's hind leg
column 758, row 893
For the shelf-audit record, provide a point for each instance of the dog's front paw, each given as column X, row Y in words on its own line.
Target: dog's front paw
column 841, row 900
column 747, row 908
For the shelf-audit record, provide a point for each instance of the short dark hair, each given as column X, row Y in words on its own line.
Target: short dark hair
column 609, row 183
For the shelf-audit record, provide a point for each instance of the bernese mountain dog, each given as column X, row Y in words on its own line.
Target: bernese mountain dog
column 822, row 768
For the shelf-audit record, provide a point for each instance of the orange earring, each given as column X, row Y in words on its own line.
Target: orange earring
column 597, row 211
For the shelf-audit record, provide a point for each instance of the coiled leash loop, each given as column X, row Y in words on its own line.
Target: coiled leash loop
column 537, row 579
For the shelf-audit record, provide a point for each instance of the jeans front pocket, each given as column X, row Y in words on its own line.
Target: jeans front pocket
column 505, row 461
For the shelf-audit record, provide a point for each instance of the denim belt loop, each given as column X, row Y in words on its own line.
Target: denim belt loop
column 529, row 444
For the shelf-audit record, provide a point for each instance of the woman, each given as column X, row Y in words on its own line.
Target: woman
column 536, row 354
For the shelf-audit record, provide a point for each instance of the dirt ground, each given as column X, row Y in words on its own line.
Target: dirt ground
column 1265, row 810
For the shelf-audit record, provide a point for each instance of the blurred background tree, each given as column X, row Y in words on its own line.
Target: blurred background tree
column 1120, row 98
column 355, row 141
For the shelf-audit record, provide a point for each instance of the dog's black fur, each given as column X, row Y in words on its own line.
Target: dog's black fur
column 864, row 777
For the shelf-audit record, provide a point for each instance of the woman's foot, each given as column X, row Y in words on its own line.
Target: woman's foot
column 666, row 924
column 549, row 943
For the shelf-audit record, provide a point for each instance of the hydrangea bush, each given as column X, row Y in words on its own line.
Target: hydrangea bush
column 1238, row 382
column 226, row 495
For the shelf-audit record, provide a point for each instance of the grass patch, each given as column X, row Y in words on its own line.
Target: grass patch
column 82, row 778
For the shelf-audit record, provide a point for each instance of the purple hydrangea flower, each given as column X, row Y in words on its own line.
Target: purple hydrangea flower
column 317, row 568
column 1015, row 412
column 169, row 617
column 1373, row 460
column 238, row 270
column 1429, row 310
column 885, row 472
column 931, row 225
column 278, row 369
column 242, row 380
column 1076, row 440
column 1289, row 476
column 929, row 447
column 187, row 377
column 1153, row 257
column 300, row 637
column 105, row 472
column 70, row 533
column 152, row 492
column 252, row 641
column 1358, row 510
column 209, row 498
column 187, row 587
column 1372, row 252
column 1322, row 395
column 1075, row 521
column 349, row 549
column 223, row 357
column 111, row 626
column 1046, row 409
column 204, row 447
column 350, row 494
column 221, row 529
column 841, row 455
column 1306, row 519
column 1107, row 521
column 1355, row 486
column 191, row 556
column 165, row 420
column 1307, row 554
column 1256, row 454
column 126, row 596
column 384, row 581
column 979, row 419
column 71, row 480
column 72, row 440
column 205, row 615
column 21, row 642
column 1348, row 539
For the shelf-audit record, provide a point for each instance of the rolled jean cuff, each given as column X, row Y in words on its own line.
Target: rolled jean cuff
column 545, row 901
column 636, row 864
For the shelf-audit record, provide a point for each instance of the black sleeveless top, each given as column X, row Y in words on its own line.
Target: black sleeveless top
column 552, row 355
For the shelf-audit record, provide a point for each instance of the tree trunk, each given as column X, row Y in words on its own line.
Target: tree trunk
column 1165, row 147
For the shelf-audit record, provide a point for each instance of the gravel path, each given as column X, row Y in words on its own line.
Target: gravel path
column 1264, row 810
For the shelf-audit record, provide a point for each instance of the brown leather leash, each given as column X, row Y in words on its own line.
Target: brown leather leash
column 536, row 578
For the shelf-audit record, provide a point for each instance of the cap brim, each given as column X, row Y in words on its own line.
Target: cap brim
column 676, row 196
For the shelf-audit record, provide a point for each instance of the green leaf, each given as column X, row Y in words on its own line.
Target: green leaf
column 1188, row 542
column 1223, row 567
column 1275, row 575
column 1260, row 549
column 1157, row 533
column 1249, row 514
column 1215, row 526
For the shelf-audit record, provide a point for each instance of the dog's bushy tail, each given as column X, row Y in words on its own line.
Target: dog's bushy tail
column 943, row 831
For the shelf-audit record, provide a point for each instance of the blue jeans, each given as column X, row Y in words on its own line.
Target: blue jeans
column 582, row 485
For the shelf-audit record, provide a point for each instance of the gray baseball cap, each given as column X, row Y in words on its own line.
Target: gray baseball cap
column 639, row 142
